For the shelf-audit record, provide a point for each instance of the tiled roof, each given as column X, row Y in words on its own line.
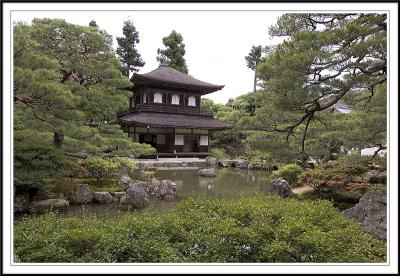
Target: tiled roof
column 166, row 76
column 173, row 120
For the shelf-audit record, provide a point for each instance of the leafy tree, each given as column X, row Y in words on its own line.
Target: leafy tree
column 126, row 50
column 93, row 23
column 252, row 60
column 174, row 53
column 67, row 94
column 323, row 59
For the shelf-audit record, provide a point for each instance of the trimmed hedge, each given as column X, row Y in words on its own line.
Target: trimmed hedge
column 289, row 172
column 261, row 228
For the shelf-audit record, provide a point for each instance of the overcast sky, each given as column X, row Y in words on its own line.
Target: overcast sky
column 216, row 41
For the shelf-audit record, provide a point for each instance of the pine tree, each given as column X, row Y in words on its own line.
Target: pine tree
column 252, row 60
column 323, row 59
column 126, row 50
column 173, row 54
column 68, row 90
column 93, row 23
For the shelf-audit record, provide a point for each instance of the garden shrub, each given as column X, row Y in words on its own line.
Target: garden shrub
column 106, row 167
column 336, row 175
column 289, row 172
column 261, row 228
column 217, row 153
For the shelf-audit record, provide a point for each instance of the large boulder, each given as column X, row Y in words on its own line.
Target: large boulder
column 280, row 187
column 166, row 190
column 40, row 206
column 81, row 194
column 208, row 172
column 137, row 195
column 21, row 203
column 103, row 197
column 154, row 186
column 370, row 212
column 378, row 177
column 124, row 180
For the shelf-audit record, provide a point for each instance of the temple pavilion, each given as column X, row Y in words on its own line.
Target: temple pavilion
column 164, row 111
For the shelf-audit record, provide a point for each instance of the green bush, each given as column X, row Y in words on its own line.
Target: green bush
column 36, row 164
column 217, row 153
column 337, row 175
column 106, row 167
column 289, row 172
column 261, row 228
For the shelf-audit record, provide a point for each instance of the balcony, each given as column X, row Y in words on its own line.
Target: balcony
column 166, row 108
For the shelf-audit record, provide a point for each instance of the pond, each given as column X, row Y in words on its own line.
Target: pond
column 229, row 182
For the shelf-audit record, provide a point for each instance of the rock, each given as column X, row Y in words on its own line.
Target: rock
column 370, row 212
column 207, row 172
column 378, row 178
column 21, row 203
column 280, row 187
column 212, row 162
column 40, row 206
column 124, row 180
column 137, row 195
column 167, row 190
column 119, row 195
column 154, row 186
column 243, row 164
column 81, row 194
column 103, row 197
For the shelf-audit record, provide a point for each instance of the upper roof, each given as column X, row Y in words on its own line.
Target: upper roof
column 165, row 76
column 173, row 120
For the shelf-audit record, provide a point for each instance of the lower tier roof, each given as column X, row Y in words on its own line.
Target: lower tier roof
column 172, row 120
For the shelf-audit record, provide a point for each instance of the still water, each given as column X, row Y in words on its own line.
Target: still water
column 229, row 182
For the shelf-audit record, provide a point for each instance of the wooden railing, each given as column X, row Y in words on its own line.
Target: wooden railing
column 164, row 108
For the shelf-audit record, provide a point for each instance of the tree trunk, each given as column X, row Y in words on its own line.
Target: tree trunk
column 58, row 139
column 255, row 81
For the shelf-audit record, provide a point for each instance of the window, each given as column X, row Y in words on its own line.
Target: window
column 191, row 101
column 175, row 99
column 144, row 98
column 157, row 97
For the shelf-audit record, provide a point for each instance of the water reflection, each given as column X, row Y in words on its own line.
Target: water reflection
column 229, row 182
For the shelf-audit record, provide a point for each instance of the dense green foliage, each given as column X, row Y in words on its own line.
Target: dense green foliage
column 35, row 162
column 217, row 153
column 289, row 172
column 347, row 173
column 106, row 167
column 255, row 229
column 68, row 90
column 324, row 59
column 173, row 54
column 126, row 50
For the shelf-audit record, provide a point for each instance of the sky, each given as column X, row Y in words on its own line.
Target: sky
column 216, row 42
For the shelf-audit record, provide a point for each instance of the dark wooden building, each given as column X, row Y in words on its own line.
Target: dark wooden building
column 165, row 112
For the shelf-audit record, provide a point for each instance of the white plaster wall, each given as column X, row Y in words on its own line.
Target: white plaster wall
column 191, row 101
column 203, row 140
column 178, row 139
column 157, row 98
column 175, row 99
